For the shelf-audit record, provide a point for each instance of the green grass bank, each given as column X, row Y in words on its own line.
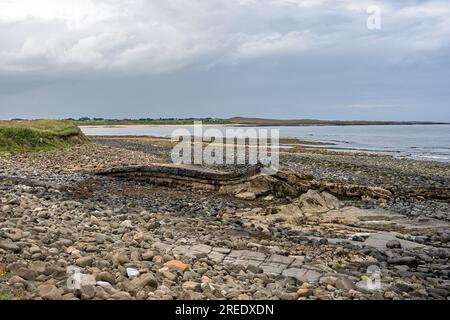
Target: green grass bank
column 38, row 135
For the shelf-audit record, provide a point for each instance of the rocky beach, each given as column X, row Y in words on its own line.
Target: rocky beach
column 358, row 226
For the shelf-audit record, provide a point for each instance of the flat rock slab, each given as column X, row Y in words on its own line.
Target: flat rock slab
column 302, row 274
column 242, row 262
column 202, row 248
column 180, row 249
column 273, row 267
column 280, row 259
column 379, row 240
column 274, row 264
column 221, row 250
column 217, row 257
column 247, row 255
column 163, row 246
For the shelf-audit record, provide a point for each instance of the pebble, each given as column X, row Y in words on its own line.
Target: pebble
column 176, row 265
column 49, row 292
column 125, row 233
column 191, row 285
column 393, row 244
column 9, row 245
column 304, row 292
column 147, row 279
column 84, row 261
column 122, row 295
column 132, row 273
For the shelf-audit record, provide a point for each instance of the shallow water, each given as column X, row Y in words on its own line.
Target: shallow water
column 422, row 142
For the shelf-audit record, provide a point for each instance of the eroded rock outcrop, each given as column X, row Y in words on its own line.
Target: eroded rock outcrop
column 248, row 184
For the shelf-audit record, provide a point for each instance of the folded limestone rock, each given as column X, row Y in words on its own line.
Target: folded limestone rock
column 244, row 184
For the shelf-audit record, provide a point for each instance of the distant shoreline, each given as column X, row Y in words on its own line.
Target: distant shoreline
column 235, row 121
column 147, row 125
column 239, row 121
column 168, row 125
column 385, row 139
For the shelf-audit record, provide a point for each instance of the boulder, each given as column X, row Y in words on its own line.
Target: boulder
column 314, row 201
column 49, row 292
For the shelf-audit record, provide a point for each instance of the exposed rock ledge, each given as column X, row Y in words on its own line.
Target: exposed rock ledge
column 282, row 184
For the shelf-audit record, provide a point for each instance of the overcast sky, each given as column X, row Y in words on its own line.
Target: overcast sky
column 221, row 58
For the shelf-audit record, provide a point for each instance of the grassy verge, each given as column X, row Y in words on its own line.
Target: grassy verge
column 38, row 135
column 7, row 296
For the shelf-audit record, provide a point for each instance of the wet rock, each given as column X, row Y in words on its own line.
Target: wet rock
column 410, row 261
column 393, row 244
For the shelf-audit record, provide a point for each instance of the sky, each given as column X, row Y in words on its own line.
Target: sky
column 280, row 59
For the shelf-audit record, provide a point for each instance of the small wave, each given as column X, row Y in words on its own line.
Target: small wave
column 440, row 158
column 341, row 141
column 431, row 148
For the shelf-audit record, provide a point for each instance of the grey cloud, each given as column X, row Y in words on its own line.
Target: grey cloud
column 164, row 36
column 277, row 58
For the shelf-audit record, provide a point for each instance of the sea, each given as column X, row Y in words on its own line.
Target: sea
column 420, row 142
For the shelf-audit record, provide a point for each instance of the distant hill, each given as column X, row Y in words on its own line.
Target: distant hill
column 85, row 121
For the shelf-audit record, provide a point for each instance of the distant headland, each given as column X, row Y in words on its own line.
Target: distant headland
column 242, row 121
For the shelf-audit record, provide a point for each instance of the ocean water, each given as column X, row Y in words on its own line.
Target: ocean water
column 422, row 142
